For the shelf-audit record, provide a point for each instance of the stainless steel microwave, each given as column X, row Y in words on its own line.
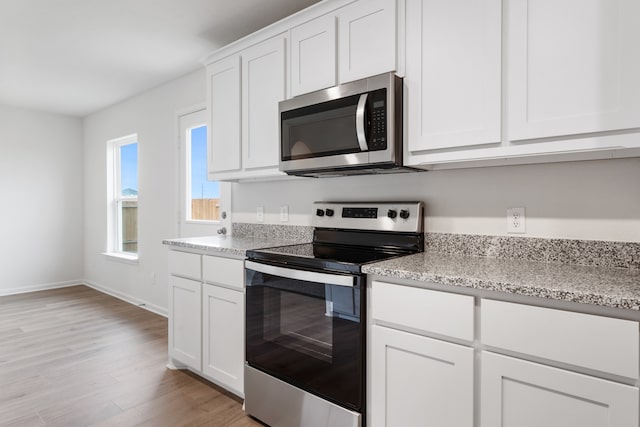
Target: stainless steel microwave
column 351, row 129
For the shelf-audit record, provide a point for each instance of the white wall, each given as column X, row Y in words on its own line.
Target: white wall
column 593, row 200
column 41, row 174
column 152, row 116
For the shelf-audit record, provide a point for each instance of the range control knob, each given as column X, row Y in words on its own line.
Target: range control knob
column 328, row 212
column 319, row 212
column 404, row 214
column 392, row 213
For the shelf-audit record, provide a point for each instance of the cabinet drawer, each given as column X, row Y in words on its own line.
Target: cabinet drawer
column 593, row 342
column 430, row 311
column 223, row 271
column 185, row 264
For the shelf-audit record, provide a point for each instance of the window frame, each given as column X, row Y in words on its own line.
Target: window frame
column 115, row 243
column 188, row 118
column 188, row 195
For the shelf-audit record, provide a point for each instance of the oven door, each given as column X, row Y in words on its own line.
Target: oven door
column 305, row 328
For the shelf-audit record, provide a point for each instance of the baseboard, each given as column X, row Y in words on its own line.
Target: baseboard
column 127, row 298
column 40, row 287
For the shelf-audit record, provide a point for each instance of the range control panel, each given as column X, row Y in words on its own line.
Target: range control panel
column 379, row 216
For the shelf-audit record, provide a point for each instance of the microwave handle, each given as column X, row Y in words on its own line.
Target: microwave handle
column 360, row 132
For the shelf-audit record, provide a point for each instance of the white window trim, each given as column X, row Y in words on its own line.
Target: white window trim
column 114, row 199
column 188, row 228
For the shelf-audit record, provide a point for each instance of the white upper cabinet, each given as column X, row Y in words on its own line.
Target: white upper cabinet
column 366, row 39
column 263, row 83
column 223, row 101
column 313, row 55
column 453, row 70
column 574, row 67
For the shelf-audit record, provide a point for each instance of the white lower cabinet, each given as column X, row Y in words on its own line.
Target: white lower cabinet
column 444, row 359
column 518, row 393
column 185, row 323
column 419, row 381
column 223, row 335
column 206, row 317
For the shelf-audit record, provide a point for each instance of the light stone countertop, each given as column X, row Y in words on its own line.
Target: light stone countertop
column 230, row 245
column 608, row 287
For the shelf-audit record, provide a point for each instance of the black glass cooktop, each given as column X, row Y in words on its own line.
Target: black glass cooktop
column 323, row 256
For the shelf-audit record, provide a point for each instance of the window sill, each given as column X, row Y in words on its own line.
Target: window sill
column 122, row 257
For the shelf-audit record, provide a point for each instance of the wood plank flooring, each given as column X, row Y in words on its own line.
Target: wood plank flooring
column 77, row 357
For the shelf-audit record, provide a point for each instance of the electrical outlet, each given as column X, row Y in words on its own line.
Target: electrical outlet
column 260, row 214
column 516, row 221
column 284, row 213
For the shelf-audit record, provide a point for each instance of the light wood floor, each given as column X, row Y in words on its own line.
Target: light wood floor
column 77, row 357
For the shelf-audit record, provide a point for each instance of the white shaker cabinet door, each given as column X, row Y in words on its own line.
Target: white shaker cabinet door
column 185, row 324
column 223, row 102
column 223, row 319
column 366, row 39
column 263, row 86
column 313, row 55
column 453, row 72
column 419, row 381
column 517, row 393
column 573, row 67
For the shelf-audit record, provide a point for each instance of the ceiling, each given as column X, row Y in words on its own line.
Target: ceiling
column 75, row 57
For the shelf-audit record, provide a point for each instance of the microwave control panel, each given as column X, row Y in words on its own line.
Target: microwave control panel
column 378, row 128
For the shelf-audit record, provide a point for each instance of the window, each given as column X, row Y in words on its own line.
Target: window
column 203, row 196
column 122, row 155
column 204, row 206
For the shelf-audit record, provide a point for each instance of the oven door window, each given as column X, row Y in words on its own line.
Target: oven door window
column 320, row 130
column 308, row 334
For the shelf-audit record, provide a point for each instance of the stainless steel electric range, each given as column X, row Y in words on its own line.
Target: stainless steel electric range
column 305, row 313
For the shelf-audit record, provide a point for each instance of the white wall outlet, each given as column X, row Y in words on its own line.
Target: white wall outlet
column 260, row 214
column 516, row 220
column 284, row 213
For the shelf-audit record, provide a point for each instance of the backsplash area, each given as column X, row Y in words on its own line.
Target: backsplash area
column 595, row 253
column 272, row 231
column 590, row 200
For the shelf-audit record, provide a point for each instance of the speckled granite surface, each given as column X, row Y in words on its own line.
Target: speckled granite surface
column 231, row 245
column 273, row 231
column 609, row 287
column 562, row 251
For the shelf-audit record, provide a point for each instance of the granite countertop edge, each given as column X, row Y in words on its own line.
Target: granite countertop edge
column 230, row 245
column 564, row 291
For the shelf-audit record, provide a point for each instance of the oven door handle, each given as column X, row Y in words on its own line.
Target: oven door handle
column 360, row 124
column 308, row 276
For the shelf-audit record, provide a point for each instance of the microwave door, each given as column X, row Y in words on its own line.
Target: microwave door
column 326, row 135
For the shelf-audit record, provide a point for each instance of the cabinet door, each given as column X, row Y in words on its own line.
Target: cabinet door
column 185, row 322
column 223, row 102
column 366, row 39
column 223, row 311
column 313, row 55
column 453, row 69
column 263, row 84
column 574, row 67
column 516, row 393
column 418, row 381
